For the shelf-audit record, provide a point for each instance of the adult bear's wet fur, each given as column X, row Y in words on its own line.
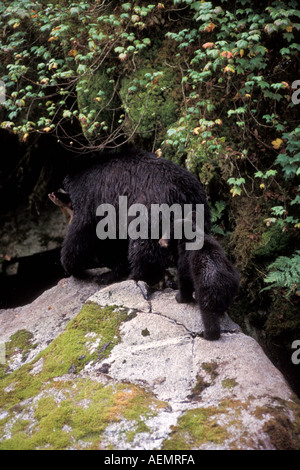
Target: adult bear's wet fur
column 143, row 178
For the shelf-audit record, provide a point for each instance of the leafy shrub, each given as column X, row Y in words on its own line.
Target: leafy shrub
column 218, row 100
column 284, row 273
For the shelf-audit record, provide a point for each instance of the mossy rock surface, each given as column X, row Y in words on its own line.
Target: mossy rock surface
column 131, row 371
column 51, row 403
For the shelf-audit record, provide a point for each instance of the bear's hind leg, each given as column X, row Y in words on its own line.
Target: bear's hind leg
column 211, row 322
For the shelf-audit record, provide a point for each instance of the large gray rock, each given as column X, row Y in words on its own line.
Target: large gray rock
column 132, row 370
column 47, row 316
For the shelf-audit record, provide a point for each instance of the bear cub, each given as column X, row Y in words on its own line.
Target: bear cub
column 209, row 274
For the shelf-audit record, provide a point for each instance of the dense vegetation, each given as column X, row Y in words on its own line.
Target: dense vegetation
column 211, row 85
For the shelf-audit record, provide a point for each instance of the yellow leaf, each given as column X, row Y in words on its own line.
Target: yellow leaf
column 235, row 192
column 277, row 143
column 25, row 136
column 242, row 52
column 47, row 129
column 197, row 130
column 72, row 52
column 229, row 68
column 289, row 29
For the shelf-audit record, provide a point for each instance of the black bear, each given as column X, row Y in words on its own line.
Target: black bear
column 209, row 274
column 145, row 180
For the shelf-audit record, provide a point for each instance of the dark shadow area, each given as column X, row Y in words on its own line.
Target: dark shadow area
column 23, row 279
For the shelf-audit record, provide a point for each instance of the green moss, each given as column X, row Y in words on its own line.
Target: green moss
column 21, row 341
column 194, row 428
column 99, row 106
column 45, row 411
column 151, row 95
column 201, row 385
column 70, row 349
column 211, row 369
column 199, row 426
column 78, row 412
column 250, row 224
column 273, row 242
column 150, row 105
column 229, row 383
column 140, row 428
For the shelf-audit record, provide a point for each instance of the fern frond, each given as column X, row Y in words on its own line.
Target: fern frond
column 284, row 272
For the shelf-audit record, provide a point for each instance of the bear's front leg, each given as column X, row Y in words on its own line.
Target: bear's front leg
column 184, row 297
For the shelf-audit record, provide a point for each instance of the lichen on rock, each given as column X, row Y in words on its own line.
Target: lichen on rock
column 131, row 371
column 44, row 406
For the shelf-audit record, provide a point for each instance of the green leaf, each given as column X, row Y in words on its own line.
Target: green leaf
column 119, row 49
column 285, row 51
column 126, row 6
column 74, row 11
column 242, row 44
